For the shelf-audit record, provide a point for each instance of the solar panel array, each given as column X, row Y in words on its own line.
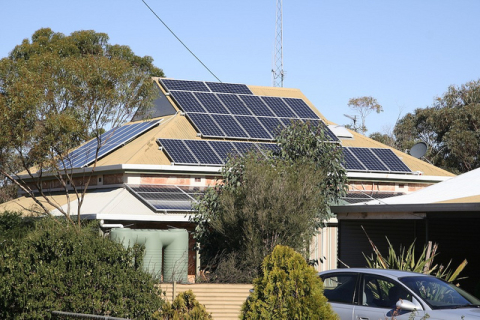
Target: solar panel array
column 373, row 160
column 201, row 86
column 209, row 153
column 166, row 197
column 215, row 153
column 109, row 141
column 222, row 110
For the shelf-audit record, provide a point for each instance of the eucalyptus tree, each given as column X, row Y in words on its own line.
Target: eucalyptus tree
column 450, row 127
column 261, row 202
column 364, row 106
column 59, row 91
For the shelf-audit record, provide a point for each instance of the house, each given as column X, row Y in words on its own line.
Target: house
column 150, row 170
column 447, row 213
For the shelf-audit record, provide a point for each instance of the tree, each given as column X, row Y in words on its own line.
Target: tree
column 384, row 138
column 261, row 202
column 57, row 92
column 450, row 128
column 287, row 288
column 52, row 268
column 364, row 106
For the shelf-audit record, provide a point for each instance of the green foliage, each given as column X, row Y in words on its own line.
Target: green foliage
column 13, row 226
column 364, row 106
column 450, row 128
column 384, row 138
column 58, row 91
column 262, row 202
column 287, row 288
column 405, row 260
column 54, row 268
column 184, row 307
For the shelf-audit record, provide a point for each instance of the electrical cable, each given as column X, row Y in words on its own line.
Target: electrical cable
column 181, row 41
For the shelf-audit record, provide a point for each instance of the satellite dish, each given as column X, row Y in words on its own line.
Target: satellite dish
column 418, row 150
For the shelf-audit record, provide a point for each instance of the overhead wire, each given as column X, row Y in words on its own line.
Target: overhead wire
column 173, row 33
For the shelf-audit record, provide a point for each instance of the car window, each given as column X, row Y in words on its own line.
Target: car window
column 382, row 292
column 340, row 287
column 439, row 294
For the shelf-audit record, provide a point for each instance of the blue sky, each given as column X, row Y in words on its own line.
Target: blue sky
column 403, row 53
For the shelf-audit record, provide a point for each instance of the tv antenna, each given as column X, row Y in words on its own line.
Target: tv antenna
column 353, row 118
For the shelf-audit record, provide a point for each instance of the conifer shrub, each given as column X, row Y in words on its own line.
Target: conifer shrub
column 58, row 267
column 287, row 288
column 184, row 307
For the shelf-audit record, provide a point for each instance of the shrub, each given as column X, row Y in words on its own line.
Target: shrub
column 287, row 288
column 13, row 226
column 405, row 260
column 57, row 267
column 184, row 307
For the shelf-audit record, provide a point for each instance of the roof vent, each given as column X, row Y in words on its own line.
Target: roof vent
column 340, row 131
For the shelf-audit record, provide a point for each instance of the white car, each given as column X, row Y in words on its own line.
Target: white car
column 373, row 294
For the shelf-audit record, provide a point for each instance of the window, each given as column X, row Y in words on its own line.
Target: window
column 382, row 292
column 340, row 287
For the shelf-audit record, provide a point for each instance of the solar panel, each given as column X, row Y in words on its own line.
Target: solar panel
column 205, row 125
column 203, row 152
column 108, row 142
column 390, row 159
column 351, row 162
column 228, row 88
column 187, row 101
column 229, row 126
column 329, row 135
column 257, row 106
column 223, row 149
column 368, row 159
column 301, row 108
column 287, row 122
column 177, row 151
column 269, row 147
column 166, row 197
column 245, row 147
column 185, row 85
column 279, row 107
column 211, row 103
column 253, row 127
column 273, row 125
column 234, row 104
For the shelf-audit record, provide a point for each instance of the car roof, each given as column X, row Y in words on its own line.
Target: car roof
column 381, row 272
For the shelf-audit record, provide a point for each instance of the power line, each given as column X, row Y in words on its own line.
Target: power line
column 181, row 41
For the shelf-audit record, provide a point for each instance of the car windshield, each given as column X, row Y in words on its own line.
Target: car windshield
column 439, row 294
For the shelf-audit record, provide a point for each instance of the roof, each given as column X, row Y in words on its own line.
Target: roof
column 145, row 150
column 457, row 194
column 28, row 205
column 142, row 152
column 460, row 189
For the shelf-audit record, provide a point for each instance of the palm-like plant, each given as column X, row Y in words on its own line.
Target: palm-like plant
column 405, row 260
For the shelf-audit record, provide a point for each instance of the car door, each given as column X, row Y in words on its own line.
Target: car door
column 377, row 298
column 339, row 289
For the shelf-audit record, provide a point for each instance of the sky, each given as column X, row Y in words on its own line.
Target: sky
column 403, row 53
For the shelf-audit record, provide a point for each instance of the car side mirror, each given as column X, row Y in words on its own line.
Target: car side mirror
column 407, row 305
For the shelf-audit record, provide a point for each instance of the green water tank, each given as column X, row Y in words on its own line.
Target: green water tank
column 166, row 251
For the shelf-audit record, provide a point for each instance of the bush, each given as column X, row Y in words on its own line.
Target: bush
column 12, row 225
column 58, row 267
column 288, row 288
column 184, row 307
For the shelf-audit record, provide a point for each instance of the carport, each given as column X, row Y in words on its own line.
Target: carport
column 447, row 213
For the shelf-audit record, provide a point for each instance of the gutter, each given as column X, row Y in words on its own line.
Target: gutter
column 411, row 207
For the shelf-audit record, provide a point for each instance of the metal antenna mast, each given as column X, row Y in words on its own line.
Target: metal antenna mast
column 277, row 69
